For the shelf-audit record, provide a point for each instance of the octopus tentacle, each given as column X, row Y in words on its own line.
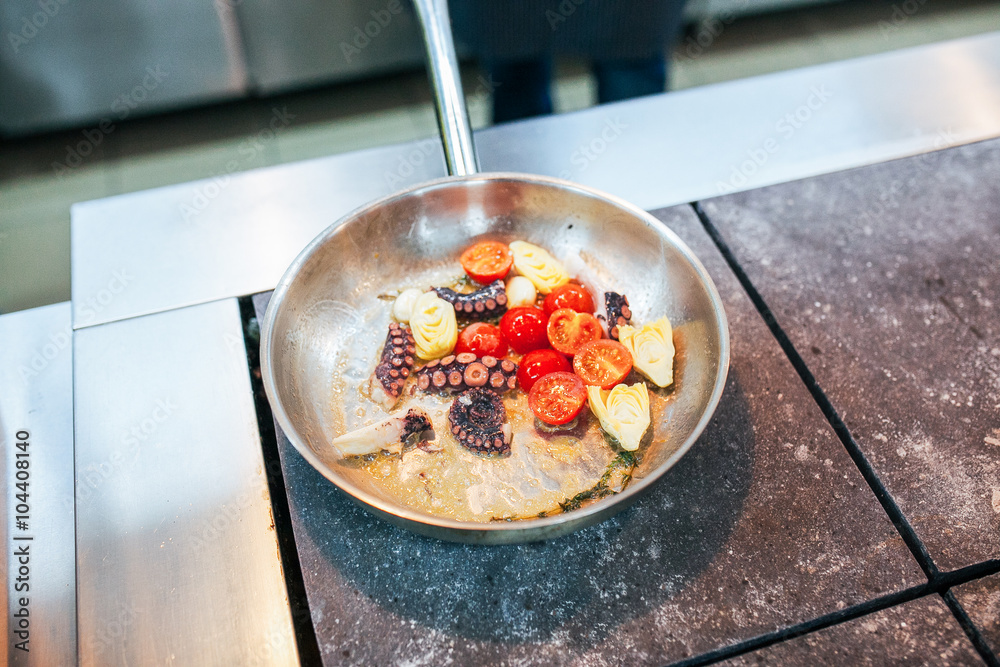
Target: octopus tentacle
column 466, row 370
column 483, row 304
column 619, row 313
column 478, row 421
column 394, row 366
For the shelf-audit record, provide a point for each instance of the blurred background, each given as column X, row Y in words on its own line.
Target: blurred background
column 105, row 98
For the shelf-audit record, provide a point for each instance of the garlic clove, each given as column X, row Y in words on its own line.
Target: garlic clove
column 520, row 292
column 402, row 307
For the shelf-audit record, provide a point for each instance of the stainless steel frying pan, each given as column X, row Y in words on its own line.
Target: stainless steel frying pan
column 325, row 322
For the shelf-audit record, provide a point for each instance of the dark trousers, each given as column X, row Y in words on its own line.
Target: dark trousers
column 522, row 89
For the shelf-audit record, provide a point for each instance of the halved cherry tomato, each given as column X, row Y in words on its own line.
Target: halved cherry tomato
column 538, row 363
column 481, row 339
column 568, row 330
column 487, row 261
column 557, row 398
column 602, row 363
column 575, row 297
column 524, row 329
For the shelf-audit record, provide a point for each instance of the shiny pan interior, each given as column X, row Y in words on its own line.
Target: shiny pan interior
column 330, row 296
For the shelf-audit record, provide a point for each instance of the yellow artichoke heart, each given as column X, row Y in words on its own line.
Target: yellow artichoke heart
column 623, row 412
column 536, row 264
column 652, row 348
column 432, row 322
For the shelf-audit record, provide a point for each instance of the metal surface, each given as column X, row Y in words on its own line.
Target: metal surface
column 329, row 296
column 69, row 64
column 449, row 101
column 299, row 42
column 177, row 556
column 419, row 232
column 657, row 151
column 36, row 400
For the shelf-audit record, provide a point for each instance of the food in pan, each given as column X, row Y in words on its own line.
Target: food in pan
column 435, row 330
column 483, row 304
column 623, row 412
column 538, row 407
column 390, row 435
column 652, row 350
column 394, row 367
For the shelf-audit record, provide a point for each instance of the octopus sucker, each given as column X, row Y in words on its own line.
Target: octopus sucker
column 483, row 304
column 390, row 435
column 394, row 367
column 465, row 371
column 619, row 313
column 479, row 421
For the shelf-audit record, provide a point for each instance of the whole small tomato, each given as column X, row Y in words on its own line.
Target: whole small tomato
column 538, row 363
column 481, row 339
column 571, row 295
column 524, row 329
column 567, row 330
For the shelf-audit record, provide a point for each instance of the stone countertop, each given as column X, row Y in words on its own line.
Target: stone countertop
column 981, row 599
column 921, row 632
column 765, row 523
column 886, row 280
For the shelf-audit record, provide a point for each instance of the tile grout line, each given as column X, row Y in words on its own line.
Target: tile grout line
column 936, row 579
column 941, row 586
column 901, row 523
column 808, row 627
column 970, row 629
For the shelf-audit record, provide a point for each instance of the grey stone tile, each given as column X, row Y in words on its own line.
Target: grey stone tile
column 921, row 632
column 886, row 280
column 981, row 599
column 764, row 523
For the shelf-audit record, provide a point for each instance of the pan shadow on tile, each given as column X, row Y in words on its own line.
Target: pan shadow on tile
column 573, row 585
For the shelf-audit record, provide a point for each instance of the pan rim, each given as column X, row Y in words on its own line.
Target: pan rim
column 580, row 517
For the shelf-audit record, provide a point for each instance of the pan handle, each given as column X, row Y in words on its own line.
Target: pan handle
column 453, row 119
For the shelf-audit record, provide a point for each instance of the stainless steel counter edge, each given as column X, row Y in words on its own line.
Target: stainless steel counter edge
column 177, row 557
column 235, row 234
column 36, row 432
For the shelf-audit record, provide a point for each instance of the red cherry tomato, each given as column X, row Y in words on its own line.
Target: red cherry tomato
column 557, row 398
column 481, row 339
column 487, row 261
column 575, row 297
column 524, row 329
column 538, row 363
column 568, row 330
column 602, row 363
